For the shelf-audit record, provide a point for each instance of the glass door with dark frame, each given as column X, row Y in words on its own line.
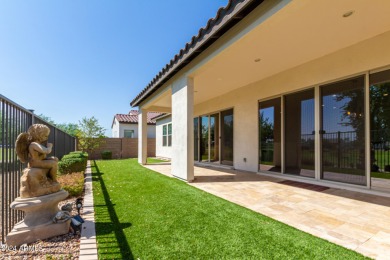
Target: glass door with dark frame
column 227, row 137
column 380, row 130
column 299, row 133
column 204, row 139
column 343, row 131
column 214, row 138
column 270, row 135
column 196, row 139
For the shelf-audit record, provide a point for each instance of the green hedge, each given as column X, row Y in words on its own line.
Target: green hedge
column 73, row 162
column 106, row 155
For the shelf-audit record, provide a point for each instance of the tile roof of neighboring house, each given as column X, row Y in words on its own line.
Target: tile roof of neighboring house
column 132, row 117
column 225, row 19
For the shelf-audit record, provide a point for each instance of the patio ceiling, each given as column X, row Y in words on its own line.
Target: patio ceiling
column 301, row 31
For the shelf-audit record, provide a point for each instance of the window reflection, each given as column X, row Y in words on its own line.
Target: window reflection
column 343, row 131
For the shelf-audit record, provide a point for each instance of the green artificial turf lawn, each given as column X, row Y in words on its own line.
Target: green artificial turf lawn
column 154, row 160
column 146, row 215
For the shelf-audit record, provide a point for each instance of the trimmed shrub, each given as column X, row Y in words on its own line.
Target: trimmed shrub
column 80, row 152
column 71, row 165
column 77, row 154
column 73, row 162
column 72, row 183
column 74, row 155
column 106, row 155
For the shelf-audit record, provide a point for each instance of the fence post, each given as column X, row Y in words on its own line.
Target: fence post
column 32, row 116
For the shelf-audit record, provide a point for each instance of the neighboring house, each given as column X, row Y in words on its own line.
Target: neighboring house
column 126, row 125
column 164, row 136
column 294, row 89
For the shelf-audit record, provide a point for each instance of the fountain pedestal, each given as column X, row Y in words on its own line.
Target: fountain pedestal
column 38, row 221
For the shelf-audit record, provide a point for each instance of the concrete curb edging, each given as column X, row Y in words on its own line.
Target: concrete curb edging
column 88, row 247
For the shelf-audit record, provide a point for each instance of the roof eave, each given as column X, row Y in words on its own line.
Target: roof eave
column 225, row 19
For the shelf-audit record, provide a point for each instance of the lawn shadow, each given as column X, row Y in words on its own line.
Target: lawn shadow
column 112, row 225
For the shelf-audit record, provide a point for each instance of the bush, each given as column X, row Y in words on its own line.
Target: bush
column 72, row 183
column 76, row 155
column 79, row 152
column 106, row 155
column 73, row 162
column 71, row 165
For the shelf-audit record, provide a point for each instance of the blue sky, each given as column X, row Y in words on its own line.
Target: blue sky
column 71, row 59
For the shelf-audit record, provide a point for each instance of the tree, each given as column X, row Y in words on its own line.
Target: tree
column 68, row 128
column 47, row 119
column 90, row 134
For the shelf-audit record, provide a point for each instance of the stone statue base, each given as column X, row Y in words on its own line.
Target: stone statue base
column 38, row 221
column 34, row 182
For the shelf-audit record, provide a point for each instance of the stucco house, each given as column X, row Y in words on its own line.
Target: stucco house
column 164, row 136
column 126, row 125
column 293, row 89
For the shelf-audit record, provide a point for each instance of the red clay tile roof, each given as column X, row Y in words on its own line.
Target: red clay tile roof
column 225, row 19
column 132, row 117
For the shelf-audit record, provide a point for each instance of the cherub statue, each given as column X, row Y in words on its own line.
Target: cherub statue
column 32, row 148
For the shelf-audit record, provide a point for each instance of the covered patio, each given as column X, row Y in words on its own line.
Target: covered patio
column 355, row 220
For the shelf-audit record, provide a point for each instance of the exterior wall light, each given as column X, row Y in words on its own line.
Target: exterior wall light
column 348, row 14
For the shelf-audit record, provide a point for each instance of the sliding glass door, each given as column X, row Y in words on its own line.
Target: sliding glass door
column 204, row 139
column 214, row 138
column 343, row 132
column 213, row 135
column 380, row 130
column 270, row 135
column 336, row 132
column 227, row 137
column 196, row 139
column 299, row 133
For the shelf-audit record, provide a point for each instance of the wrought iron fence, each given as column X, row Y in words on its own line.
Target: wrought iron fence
column 380, row 150
column 15, row 119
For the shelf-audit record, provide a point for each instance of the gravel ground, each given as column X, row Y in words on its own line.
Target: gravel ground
column 61, row 247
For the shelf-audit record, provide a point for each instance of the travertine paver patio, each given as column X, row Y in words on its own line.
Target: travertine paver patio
column 354, row 220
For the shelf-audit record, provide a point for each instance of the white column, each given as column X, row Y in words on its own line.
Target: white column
column 183, row 129
column 142, row 136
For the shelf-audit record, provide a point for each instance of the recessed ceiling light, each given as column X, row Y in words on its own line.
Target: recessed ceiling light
column 348, row 14
column 219, row 79
column 257, row 60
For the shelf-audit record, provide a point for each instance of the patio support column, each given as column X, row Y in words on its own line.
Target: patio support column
column 183, row 129
column 142, row 136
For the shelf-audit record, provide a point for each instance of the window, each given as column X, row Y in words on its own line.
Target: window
column 167, row 135
column 128, row 134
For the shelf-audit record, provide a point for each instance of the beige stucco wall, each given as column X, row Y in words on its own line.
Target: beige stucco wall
column 357, row 59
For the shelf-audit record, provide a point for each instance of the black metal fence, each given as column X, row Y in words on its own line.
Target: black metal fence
column 380, row 150
column 14, row 119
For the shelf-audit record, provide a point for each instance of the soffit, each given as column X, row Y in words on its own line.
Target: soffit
column 302, row 31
